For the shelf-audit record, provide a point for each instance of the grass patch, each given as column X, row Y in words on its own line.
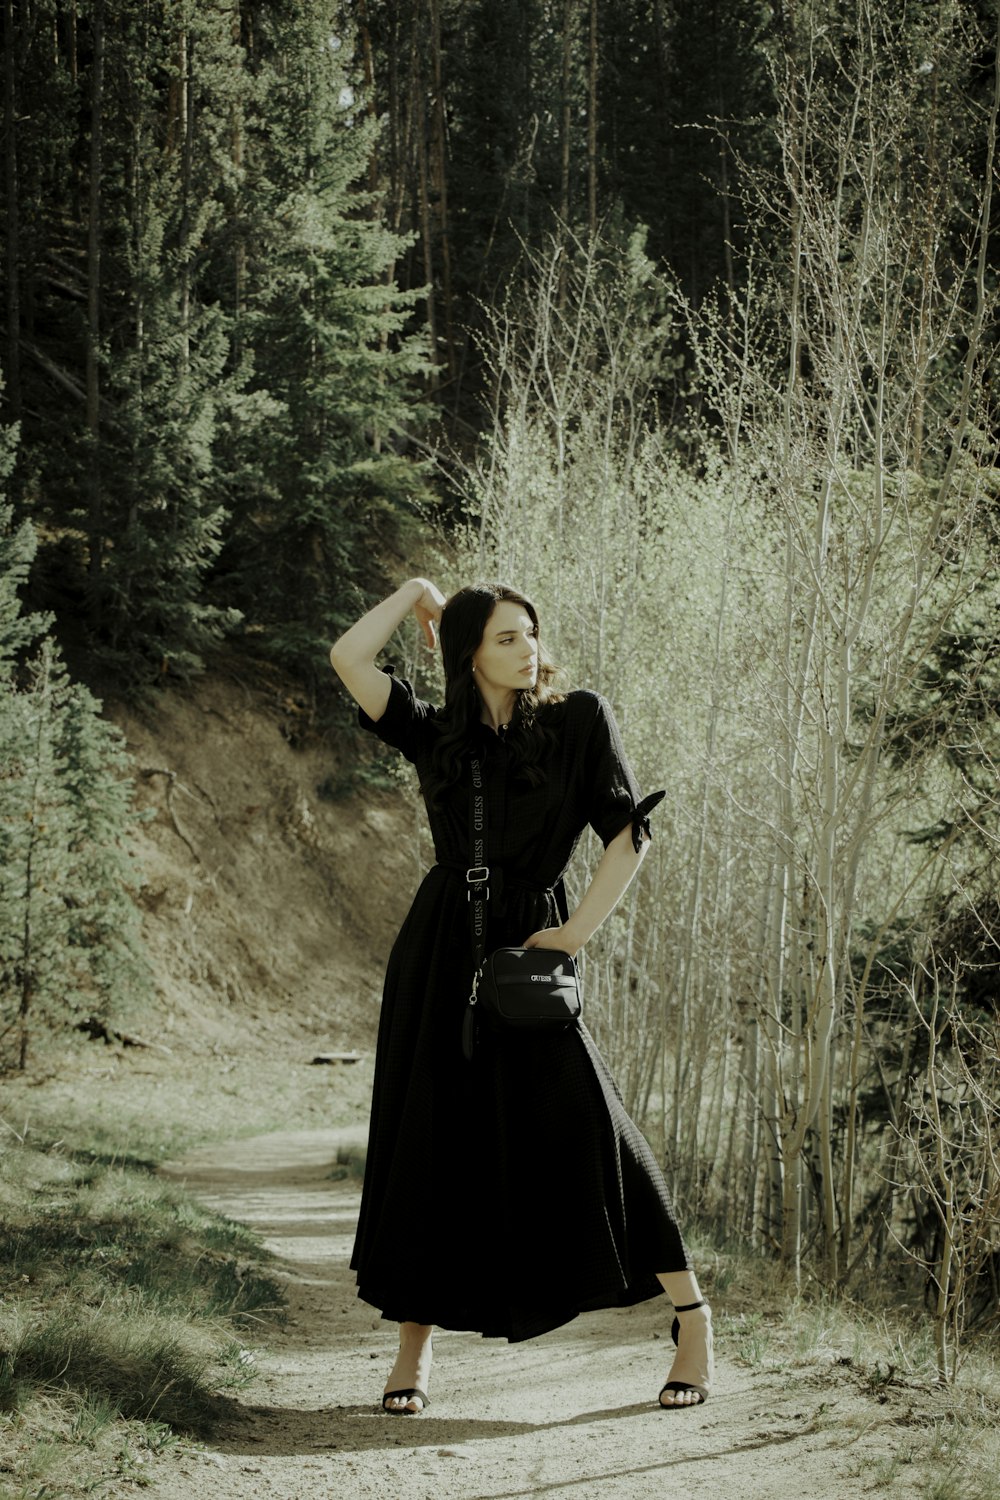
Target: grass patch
column 144, row 1109
column 350, row 1161
column 55, row 1448
column 939, row 1444
column 130, row 1363
column 124, row 1316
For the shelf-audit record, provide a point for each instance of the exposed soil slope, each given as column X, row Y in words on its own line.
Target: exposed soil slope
column 269, row 906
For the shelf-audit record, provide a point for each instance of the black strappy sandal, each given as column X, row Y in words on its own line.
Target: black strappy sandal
column 408, row 1395
column 678, row 1386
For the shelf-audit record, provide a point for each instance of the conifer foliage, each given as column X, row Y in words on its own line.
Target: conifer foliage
column 205, row 349
column 69, row 946
column 317, row 492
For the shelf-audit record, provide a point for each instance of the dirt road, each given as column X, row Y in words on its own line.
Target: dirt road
column 572, row 1414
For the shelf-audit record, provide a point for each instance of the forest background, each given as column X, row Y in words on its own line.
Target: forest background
column 683, row 317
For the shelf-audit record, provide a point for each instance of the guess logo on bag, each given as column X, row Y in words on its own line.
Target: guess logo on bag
column 539, row 978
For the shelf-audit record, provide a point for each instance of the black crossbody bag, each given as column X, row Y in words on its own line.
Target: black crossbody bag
column 528, row 989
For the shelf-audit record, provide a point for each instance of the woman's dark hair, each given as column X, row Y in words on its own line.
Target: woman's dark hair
column 463, row 623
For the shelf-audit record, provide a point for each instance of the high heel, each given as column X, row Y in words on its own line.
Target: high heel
column 678, row 1387
column 413, row 1361
column 407, row 1395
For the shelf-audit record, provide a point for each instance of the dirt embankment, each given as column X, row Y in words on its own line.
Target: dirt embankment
column 269, row 902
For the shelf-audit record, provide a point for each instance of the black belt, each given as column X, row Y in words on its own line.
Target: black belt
column 498, row 879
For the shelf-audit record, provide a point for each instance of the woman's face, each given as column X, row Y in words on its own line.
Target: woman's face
column 507, row 655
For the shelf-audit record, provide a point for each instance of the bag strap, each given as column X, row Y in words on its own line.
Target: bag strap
column 477, row 875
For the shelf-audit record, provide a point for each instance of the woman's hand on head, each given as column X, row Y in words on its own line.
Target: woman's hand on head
column 428, row 610
column 553, row 937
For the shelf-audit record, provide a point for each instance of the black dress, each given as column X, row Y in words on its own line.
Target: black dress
column 507, row 1195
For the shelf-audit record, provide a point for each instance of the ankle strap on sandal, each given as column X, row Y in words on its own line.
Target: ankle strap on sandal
column 690, row 1306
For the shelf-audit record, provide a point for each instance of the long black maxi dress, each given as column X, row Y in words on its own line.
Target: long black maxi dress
column 507, row 1195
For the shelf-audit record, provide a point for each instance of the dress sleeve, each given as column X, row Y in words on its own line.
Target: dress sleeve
column 404, row 723
column 611, row 794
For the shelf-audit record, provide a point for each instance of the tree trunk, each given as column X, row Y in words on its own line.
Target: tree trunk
column 827, row 1184
column 791, row 1217
column 36, row 817
column 569, row 10
column 427, row 244
column 592, row 68
column 750, row 1175
column 439, row 139
column 12, row 370
column 364, row 31
column 187, row 150
column 93, row 353
column 240, row 251
column 25, row 969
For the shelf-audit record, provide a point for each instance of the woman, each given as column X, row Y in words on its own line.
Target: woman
column 507, row 1195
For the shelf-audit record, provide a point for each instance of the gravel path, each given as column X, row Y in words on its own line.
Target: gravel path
column 571, row 1414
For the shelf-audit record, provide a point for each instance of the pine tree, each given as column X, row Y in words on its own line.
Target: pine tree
column 34, row 833
column 687, row 104
column 104, row 968
column 17, row 551
column 159, row 528
column 123, row 153
column 69, row 929
column 318, row 493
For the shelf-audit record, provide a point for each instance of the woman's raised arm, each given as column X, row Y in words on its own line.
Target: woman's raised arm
column 353, row 656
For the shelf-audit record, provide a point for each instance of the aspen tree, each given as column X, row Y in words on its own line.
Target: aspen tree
column 762, row 624
column 864, row 533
